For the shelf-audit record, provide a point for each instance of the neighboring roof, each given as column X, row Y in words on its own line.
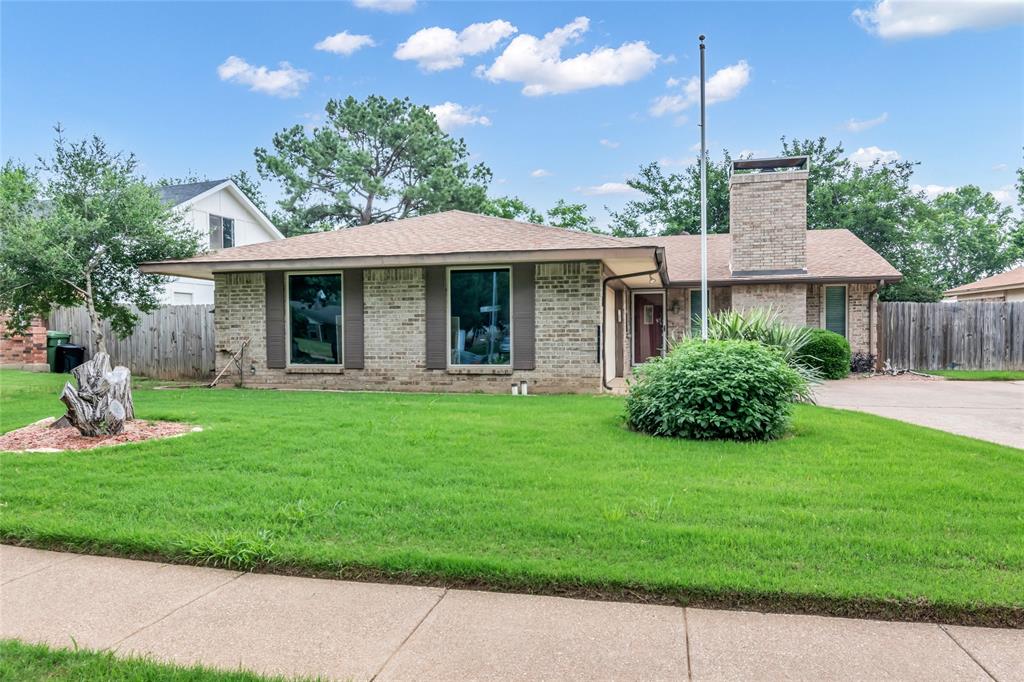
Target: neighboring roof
column 179, row 194
column 437, row 237
column 1011, row 279
column 833, row 255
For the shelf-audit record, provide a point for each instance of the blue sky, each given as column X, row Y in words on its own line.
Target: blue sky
column 569, row 116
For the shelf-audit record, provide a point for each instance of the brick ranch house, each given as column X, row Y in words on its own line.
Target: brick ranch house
column 456, row 301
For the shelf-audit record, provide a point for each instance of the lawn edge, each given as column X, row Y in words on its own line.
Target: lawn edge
column 871, row 608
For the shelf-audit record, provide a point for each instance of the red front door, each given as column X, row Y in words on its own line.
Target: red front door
column 648, row 326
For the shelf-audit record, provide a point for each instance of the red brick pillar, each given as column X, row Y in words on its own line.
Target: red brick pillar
column 24, row 351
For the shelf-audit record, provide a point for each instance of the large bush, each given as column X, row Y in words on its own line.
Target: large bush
column 827, row 352
column 765, row 326
column 740, row 390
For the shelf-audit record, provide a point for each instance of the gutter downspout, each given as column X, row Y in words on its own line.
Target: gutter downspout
column 872, row 319
column 604, row 303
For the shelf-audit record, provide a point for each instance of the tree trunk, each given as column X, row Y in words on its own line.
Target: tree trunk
column 97, row 341
column 102, row 403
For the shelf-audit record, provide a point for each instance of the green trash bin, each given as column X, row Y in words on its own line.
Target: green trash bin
column 54, row 339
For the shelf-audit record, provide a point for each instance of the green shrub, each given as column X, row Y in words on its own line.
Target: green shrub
column 828, row 353
column 765, row 326
column 739, row 390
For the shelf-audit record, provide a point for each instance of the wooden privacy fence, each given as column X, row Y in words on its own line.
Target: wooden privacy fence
column 968, row 335
column 172, row 342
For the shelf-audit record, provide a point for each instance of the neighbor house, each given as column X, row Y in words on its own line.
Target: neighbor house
column 465, row 302
column 1006, row 286
column 223, row 217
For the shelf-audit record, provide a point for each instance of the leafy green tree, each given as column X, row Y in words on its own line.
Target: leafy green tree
column 512, row 208
column 95, row 220
column 372, row 161
column 671, row 201
column 19, row 189
column 968, row 235
column 573, row 217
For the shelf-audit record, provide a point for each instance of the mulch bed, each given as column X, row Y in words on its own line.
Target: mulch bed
column 39, row 437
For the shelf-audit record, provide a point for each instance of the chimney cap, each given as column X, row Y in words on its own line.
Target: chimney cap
column 772, row 165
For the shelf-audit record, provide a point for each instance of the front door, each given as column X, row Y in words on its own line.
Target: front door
column 648, row 325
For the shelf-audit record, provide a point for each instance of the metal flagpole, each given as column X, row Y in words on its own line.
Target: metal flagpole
column 703, row 206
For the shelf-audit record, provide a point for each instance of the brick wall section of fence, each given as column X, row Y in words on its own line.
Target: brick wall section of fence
column 172, row 342
column 23, row 351
column 964, row 335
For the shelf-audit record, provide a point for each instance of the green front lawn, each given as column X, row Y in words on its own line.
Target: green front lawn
column 850, row 514
column 24, row 662
column 978, row 374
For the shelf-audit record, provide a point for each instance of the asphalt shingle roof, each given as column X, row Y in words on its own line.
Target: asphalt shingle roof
column 831, row 254
column 1010, row 278
column 179, row 194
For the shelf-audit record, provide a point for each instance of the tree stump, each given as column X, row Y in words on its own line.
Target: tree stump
column 102, row 402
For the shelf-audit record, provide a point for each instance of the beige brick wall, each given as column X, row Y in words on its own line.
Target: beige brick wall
column 790, row 300
column 568, row 309
column 768, row 221
column 858, row 316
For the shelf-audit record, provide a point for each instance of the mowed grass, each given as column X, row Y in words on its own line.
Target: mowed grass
column 849, row 514
column 25, row 662
column 978, row 374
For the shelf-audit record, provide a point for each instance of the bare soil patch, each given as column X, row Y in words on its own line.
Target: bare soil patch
column 39, row 437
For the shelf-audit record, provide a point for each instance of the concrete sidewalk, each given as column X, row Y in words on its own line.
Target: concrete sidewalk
column 346, row 630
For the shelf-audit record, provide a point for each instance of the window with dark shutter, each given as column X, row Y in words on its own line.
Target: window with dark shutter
column 835, row 309
column 275, row 320
column 353, row 326
column 436, row 322
column 524, row 316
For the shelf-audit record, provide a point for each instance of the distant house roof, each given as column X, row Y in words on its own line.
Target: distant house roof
column 1011, row 279
column 832, row 255
column 179, row 194
column 452, row 236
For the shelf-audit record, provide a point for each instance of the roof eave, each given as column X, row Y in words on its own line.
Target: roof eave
column 802, row 279
column 206, row 269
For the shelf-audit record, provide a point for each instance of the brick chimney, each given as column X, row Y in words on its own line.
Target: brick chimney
column 768, row 215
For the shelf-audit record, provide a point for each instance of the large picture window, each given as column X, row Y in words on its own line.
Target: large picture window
column 835, row 309
column 480, row 317
column 314, row 319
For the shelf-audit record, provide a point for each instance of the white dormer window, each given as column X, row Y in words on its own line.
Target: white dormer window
column 222, row 232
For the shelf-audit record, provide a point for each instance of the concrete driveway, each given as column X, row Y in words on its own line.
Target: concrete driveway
column 989, row 410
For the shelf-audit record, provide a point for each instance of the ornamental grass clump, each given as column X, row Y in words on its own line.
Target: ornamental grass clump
column 721, row 389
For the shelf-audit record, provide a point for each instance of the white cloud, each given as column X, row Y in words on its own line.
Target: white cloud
column 932, row 191
column 1006, row 195
column 344, row 43
column 389, row 6
column 856, row 126
column 284, row 81
column 451, row 115
column 865, row 156
column 537, row 62
column 438, row 49
column 915, row 18
column 540, row 173
column 611, row 144
column 1000, row 167
column 606, row 188
column 724, row 85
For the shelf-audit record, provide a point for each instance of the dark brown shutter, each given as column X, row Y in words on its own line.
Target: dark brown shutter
column 437, row 314
column 276, row 351
column 353, row 326
column 524, row 336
